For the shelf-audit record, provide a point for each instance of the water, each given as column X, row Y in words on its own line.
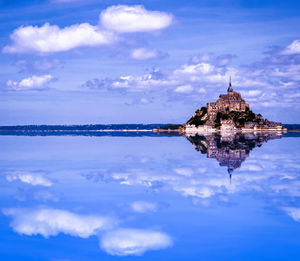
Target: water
column 154, row 197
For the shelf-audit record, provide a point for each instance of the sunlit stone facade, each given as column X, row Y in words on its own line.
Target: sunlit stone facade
column 232, row 101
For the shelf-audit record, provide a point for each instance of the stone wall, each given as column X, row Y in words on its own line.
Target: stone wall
column 226, row 103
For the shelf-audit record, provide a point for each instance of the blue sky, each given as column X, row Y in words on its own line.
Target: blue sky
column 76, row 61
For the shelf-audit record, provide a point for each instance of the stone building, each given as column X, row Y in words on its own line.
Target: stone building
column 230, row 113
column 232, row 101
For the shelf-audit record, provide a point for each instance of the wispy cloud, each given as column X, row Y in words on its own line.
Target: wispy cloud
column 293, row 48
column 33, row 178
column 272, row 82
column 143, row 206
column 38, row 65
column 184, row 171
column 184, row 89
column 293, row 212
column 146, row 54
column 31, row 83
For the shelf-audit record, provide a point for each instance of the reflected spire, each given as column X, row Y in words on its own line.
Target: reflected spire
column 230, row 174
column 230, row 150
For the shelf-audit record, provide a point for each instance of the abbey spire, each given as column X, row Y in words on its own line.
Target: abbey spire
column 230, row 85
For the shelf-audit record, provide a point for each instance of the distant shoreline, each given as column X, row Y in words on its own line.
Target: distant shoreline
column 110, row 127
column 113, row 130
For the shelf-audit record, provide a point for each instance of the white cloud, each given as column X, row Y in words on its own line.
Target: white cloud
column 184, row 171
column 113, row 20
column 50, row 38
column 34, row 179
column 202, row 91
column 123, row 242
column 195, row 191
column 50, row 222
column 144, row 54
column 252, row 93
column 290, row 72
column 293, row 48
column 136, row 83
column 44, row 195
column 144, row 101
column 294, row 213
column 203, row 68
column 251, row 167
column 30, row 83
column 128, row 19
column 184, row 89
column 143, row 206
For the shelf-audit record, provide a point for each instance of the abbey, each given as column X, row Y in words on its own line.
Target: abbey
column 229, row 113
column 232, row 101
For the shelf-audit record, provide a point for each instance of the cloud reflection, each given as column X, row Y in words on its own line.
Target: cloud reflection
column 32, row 178
column 115, row 241
column 294, row 213
column 143, row 206
column 274, row 175
column 123, row 242
column 50, row 222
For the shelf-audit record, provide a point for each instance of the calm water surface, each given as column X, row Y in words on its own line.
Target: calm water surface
column 149, row 198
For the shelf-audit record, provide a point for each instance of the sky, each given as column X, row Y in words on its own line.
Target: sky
column 104, row 61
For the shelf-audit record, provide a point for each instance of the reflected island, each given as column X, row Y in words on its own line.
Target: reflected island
column 230, row 150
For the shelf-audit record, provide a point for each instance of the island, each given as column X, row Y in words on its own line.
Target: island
column 230, row 113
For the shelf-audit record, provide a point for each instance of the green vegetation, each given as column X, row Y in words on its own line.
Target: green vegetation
column 197, row 119
column 220, row 116
column 239, row 118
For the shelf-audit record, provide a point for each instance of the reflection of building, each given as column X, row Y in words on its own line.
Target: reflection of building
column 230, row 150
